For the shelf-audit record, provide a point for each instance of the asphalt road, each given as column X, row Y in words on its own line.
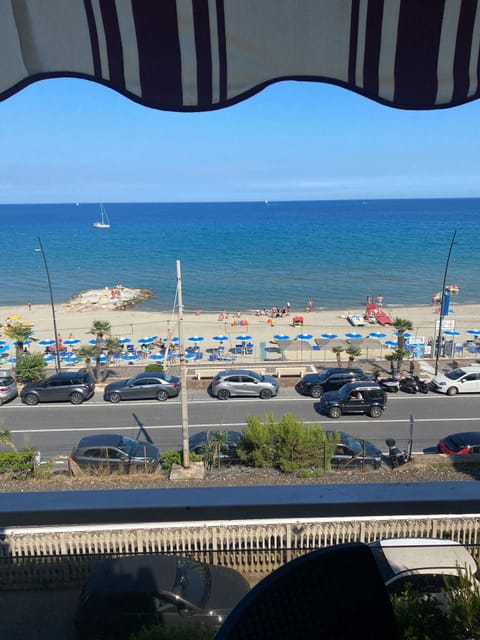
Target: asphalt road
column 55, row 428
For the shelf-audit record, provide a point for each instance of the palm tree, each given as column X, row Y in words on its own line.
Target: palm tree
column 20, row 333
column 353, row 351
column 402, row 325
column 337, row 350
column 99, row 329
column 112, row 345
column 88, row 351
column 397, row 356
column 6, row 439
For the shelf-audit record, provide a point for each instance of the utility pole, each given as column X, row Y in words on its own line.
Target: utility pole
column 442, row 305
column 55, row 333
column 183, row 372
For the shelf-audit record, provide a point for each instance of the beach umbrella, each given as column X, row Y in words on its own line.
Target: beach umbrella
column 377, row 334
column 451, row 333
column 48, row 358
column 71, row 341
column 130, row 357
column 25, row 342
column 189, row 356
column 172, row 340
column 196, row 339
column 71, row 359
column 46, row 343
column 124, row 340
column 4, row 349
column 391, row 343
column 243, row 338
column 3, row 342
column 94, row 342
column 304, row 336
column 281, row 336
column 12, row 360
column 328, row 336
column 145, row 340
column 220, row 338
column 405, row 335
column 354, row 336
column 15, row 317
column 156, row 356
column 474, row 332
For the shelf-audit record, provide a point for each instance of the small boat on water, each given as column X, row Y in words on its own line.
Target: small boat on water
column 104, row 222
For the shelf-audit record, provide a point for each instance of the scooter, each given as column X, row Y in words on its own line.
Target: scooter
column 413, row 384
column 396, row 457
column 391, row 385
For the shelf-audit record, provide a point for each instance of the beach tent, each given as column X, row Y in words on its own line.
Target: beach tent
column 194, row 55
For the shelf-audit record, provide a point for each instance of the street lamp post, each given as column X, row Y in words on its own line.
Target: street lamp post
column 442, row 304
column 57, row 351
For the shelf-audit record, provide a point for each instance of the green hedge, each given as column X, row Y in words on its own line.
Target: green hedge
column 20, row 464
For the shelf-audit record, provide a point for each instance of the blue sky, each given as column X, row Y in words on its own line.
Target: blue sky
column 71, row 140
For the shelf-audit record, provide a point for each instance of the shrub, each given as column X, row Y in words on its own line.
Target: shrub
column 20, row 464
column 286, row 444
column 31, row 366
column 167, row 458
column 173, row 632
column 154, row 367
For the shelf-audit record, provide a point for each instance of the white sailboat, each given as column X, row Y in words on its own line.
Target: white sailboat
column 104, row 222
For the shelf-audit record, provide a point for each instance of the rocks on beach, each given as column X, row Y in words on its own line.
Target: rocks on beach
column 116, row 298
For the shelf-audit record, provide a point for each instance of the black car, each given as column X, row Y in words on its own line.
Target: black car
column 113, row 452
column 215, row 447
column 354, row 397
column 315, row 384
column 122, row 595
column 143, row 386
column 353, row 452
column 74, row 387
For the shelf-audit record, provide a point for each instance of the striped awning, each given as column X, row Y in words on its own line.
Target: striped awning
column 193, row 55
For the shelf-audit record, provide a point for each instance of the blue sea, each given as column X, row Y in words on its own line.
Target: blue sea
column 245, row 255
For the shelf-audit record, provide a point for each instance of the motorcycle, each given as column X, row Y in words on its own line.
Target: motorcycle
column 413, row 384
column 391, row 385
column 396, row 457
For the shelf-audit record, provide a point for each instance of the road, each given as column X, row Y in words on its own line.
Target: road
column 55, row 428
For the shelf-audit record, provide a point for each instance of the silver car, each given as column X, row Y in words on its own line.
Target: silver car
column 242, row 382
column 8, row 387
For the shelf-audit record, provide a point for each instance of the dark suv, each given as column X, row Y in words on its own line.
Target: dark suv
column 74, row 387
column 315, row 384
column 355, row 397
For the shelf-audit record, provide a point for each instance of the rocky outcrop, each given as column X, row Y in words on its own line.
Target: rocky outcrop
column 116, row 298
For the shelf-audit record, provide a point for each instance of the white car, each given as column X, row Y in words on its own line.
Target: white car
column 422, row 563
column 461, row 380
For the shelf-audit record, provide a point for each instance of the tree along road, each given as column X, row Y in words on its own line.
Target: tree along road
column 55, row 428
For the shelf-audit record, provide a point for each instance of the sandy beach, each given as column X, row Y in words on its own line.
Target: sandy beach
column 137, row 324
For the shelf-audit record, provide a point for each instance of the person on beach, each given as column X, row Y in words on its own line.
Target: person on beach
column 309, row 306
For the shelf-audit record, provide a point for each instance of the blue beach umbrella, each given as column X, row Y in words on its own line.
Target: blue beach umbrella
column 173, row 340
column 48, row 358
column 391, row 343
column 156, row 356
column 12, row 360
column 220, row 338
column 130, row 357
column 304, row 336
column 189, row 356
column 25, row 342
column 353, row 336
column 474, row 332
column 196, row 339
column 124, row 340
column 145, row 340
column 281, row 336
column 3, row 342
column 94, row 342
column 405, row 335
column 71, row 341
column 4, row 349
column 46, row 343
column 243, row 338
column 328, row 336
column 451, row 333
column 377, row 334
column 71, row 359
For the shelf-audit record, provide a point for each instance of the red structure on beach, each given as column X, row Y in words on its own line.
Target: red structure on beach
column 374, row 313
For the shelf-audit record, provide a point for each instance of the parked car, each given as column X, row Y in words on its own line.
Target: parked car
column 242, row 382
column 460, row 443
column 353, row 452
column 113, row 452
column 8, row 387
column 331, row 379
column 121, row 595
column 354, row 397
column 143, row 386
column 422, row 564
column 74, row 387
column 216, row 446
column 462, row 380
